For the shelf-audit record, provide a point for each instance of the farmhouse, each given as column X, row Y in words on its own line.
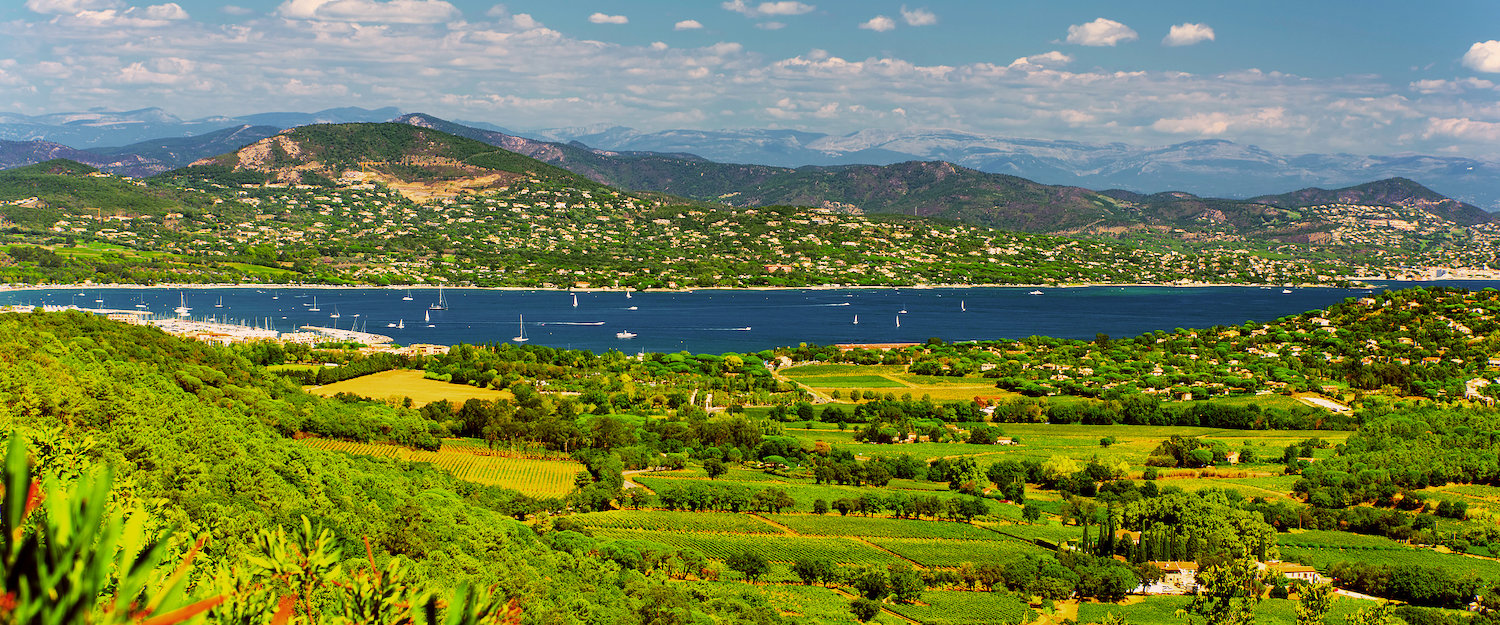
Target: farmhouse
column 1292, row 570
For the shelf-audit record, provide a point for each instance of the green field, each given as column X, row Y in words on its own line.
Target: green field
column 777, row 549
column 948, row 607
column 835, row 525
column 668, row 521
column 949, row 553
column 1163, row 611
column 408, row 383
column 538, row 478
column 850, row 381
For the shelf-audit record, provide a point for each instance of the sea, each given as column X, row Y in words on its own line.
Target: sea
column 718, row 321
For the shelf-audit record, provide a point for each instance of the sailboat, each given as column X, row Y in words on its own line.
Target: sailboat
column 856, row 320
column 182, row 307
column 627, row 295
column 575, row 300
column 898, row 321
column 961, row 307
column 522, row 338
column 400, row 324
column 275, row 295
column 427, row 317
column 221, row 302
column 442, row 303
column 335, row 314
column 315, row 305
column 408, row 296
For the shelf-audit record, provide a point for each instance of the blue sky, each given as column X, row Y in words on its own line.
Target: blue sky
column 1375, row 77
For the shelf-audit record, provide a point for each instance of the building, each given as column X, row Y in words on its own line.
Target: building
column 1292, row 570
column 1181, row 575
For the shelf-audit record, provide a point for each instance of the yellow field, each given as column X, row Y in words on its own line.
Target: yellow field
column 407, row 383
column 538, row 478
column 824, row 380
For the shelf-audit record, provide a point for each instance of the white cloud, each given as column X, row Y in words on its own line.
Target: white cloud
column 370, row 11
column 879, row 24
column 525, row 21
column 1462, row 128
column 659, row 45
column 230, row 9
column 1046, row 60
column 768, row 9
column 168, row 11
column 1187, row 34
column 1483, row 56
column 70, row 7
column 1218, row 123
column 687, row 25
column 600, row 18
column 770, row 25
column 918, row 17
column 1451, row 87
column 1100, row 32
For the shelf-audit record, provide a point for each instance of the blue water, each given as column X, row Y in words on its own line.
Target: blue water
column 715, row 321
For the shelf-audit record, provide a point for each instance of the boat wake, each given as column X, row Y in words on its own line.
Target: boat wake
column 571, row 323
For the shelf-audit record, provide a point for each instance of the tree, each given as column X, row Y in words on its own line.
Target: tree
column 1373, row 615
column 872, row 583
column 864, row 609
column 1231, row 589
column 1031, row 513
column 905, row 584
column 714, row 468
column 820, row 506
column 814, row 570
column 1313, row 603
column 748, row 563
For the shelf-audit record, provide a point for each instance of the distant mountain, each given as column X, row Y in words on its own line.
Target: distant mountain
column 97, row 129
column 418, row 161
column 1389, row 192
column 1210, row 167
column 20, row 153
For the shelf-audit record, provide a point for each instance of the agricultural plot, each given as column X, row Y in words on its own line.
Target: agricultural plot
column 814, row 604
column 1163, row 611
column 947, row 607
column 950, row 553
column 804, row 491
column 401, row 383
column 850, row 381
column 538, row 478
column 1270, row 486
column 1054, row 533
column 667, row 521
column 835, row 525
column 777, row 549
column 1322, row 557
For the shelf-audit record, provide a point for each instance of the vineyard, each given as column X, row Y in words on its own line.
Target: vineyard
column 948, row 553
column 835, row 525
column 538, row 478
column 1163, row 611
column 947, row 607
column 773, row 549
column 665, row 521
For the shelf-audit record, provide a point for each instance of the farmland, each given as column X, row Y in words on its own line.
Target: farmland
column 408, row 383
column 538, row 478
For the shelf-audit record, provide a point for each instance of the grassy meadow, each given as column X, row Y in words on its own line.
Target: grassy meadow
column 400, row 383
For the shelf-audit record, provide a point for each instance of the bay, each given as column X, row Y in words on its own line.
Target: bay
column 716, row 321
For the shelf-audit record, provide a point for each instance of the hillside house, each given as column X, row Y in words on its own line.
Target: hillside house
column 1292, row 570
column 1181, row 575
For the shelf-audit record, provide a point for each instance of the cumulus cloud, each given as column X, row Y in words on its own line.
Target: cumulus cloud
column 687, row 25
column 1483, row 56
column 918, row 17
column 70, row 7
column 768, row 9
column 1451, row 87
column 1218, row 123
column 1462, row 128
column 879, row 24
column 1046, row 60
column 230, row 9
column 1100, row 32
column 600, row 18
column 372, row 11
column 1187, row 34
column 770, row 25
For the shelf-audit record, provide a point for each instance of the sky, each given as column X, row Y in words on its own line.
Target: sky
column 1364, row 77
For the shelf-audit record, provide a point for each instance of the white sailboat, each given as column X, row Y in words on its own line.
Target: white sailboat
column 961, row 307
column 182, row 307
column 315, row 305
column 627, row 295
column 522, row 337
column 575, row 300
column 400, row 324
column 408, row 296
column 442, row 303
column 898, row 321
column 427, row 317
column 335, row 314
column 221, row 302
column 856, row 320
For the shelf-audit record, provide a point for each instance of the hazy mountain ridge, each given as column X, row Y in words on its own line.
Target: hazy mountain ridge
column 95, row 129
column 1212, row 167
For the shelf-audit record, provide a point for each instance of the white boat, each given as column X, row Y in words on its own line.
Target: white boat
column 390, row 325
column 182, row 307
column 221, row 302
column 427, row 318
column 275, row 295
column 1035, row 293
column 898, row 321
column 1286, row 290
column 315, row 305
column 400, row 324
column 575, row 300
column 624, row 334
column 627, row 295
column 442, row 303
column 335, row 313
column 901, row 312
column 856, row 320
column 633, row 308
column 961, row 307
column 522, row 337
column 408, row 296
